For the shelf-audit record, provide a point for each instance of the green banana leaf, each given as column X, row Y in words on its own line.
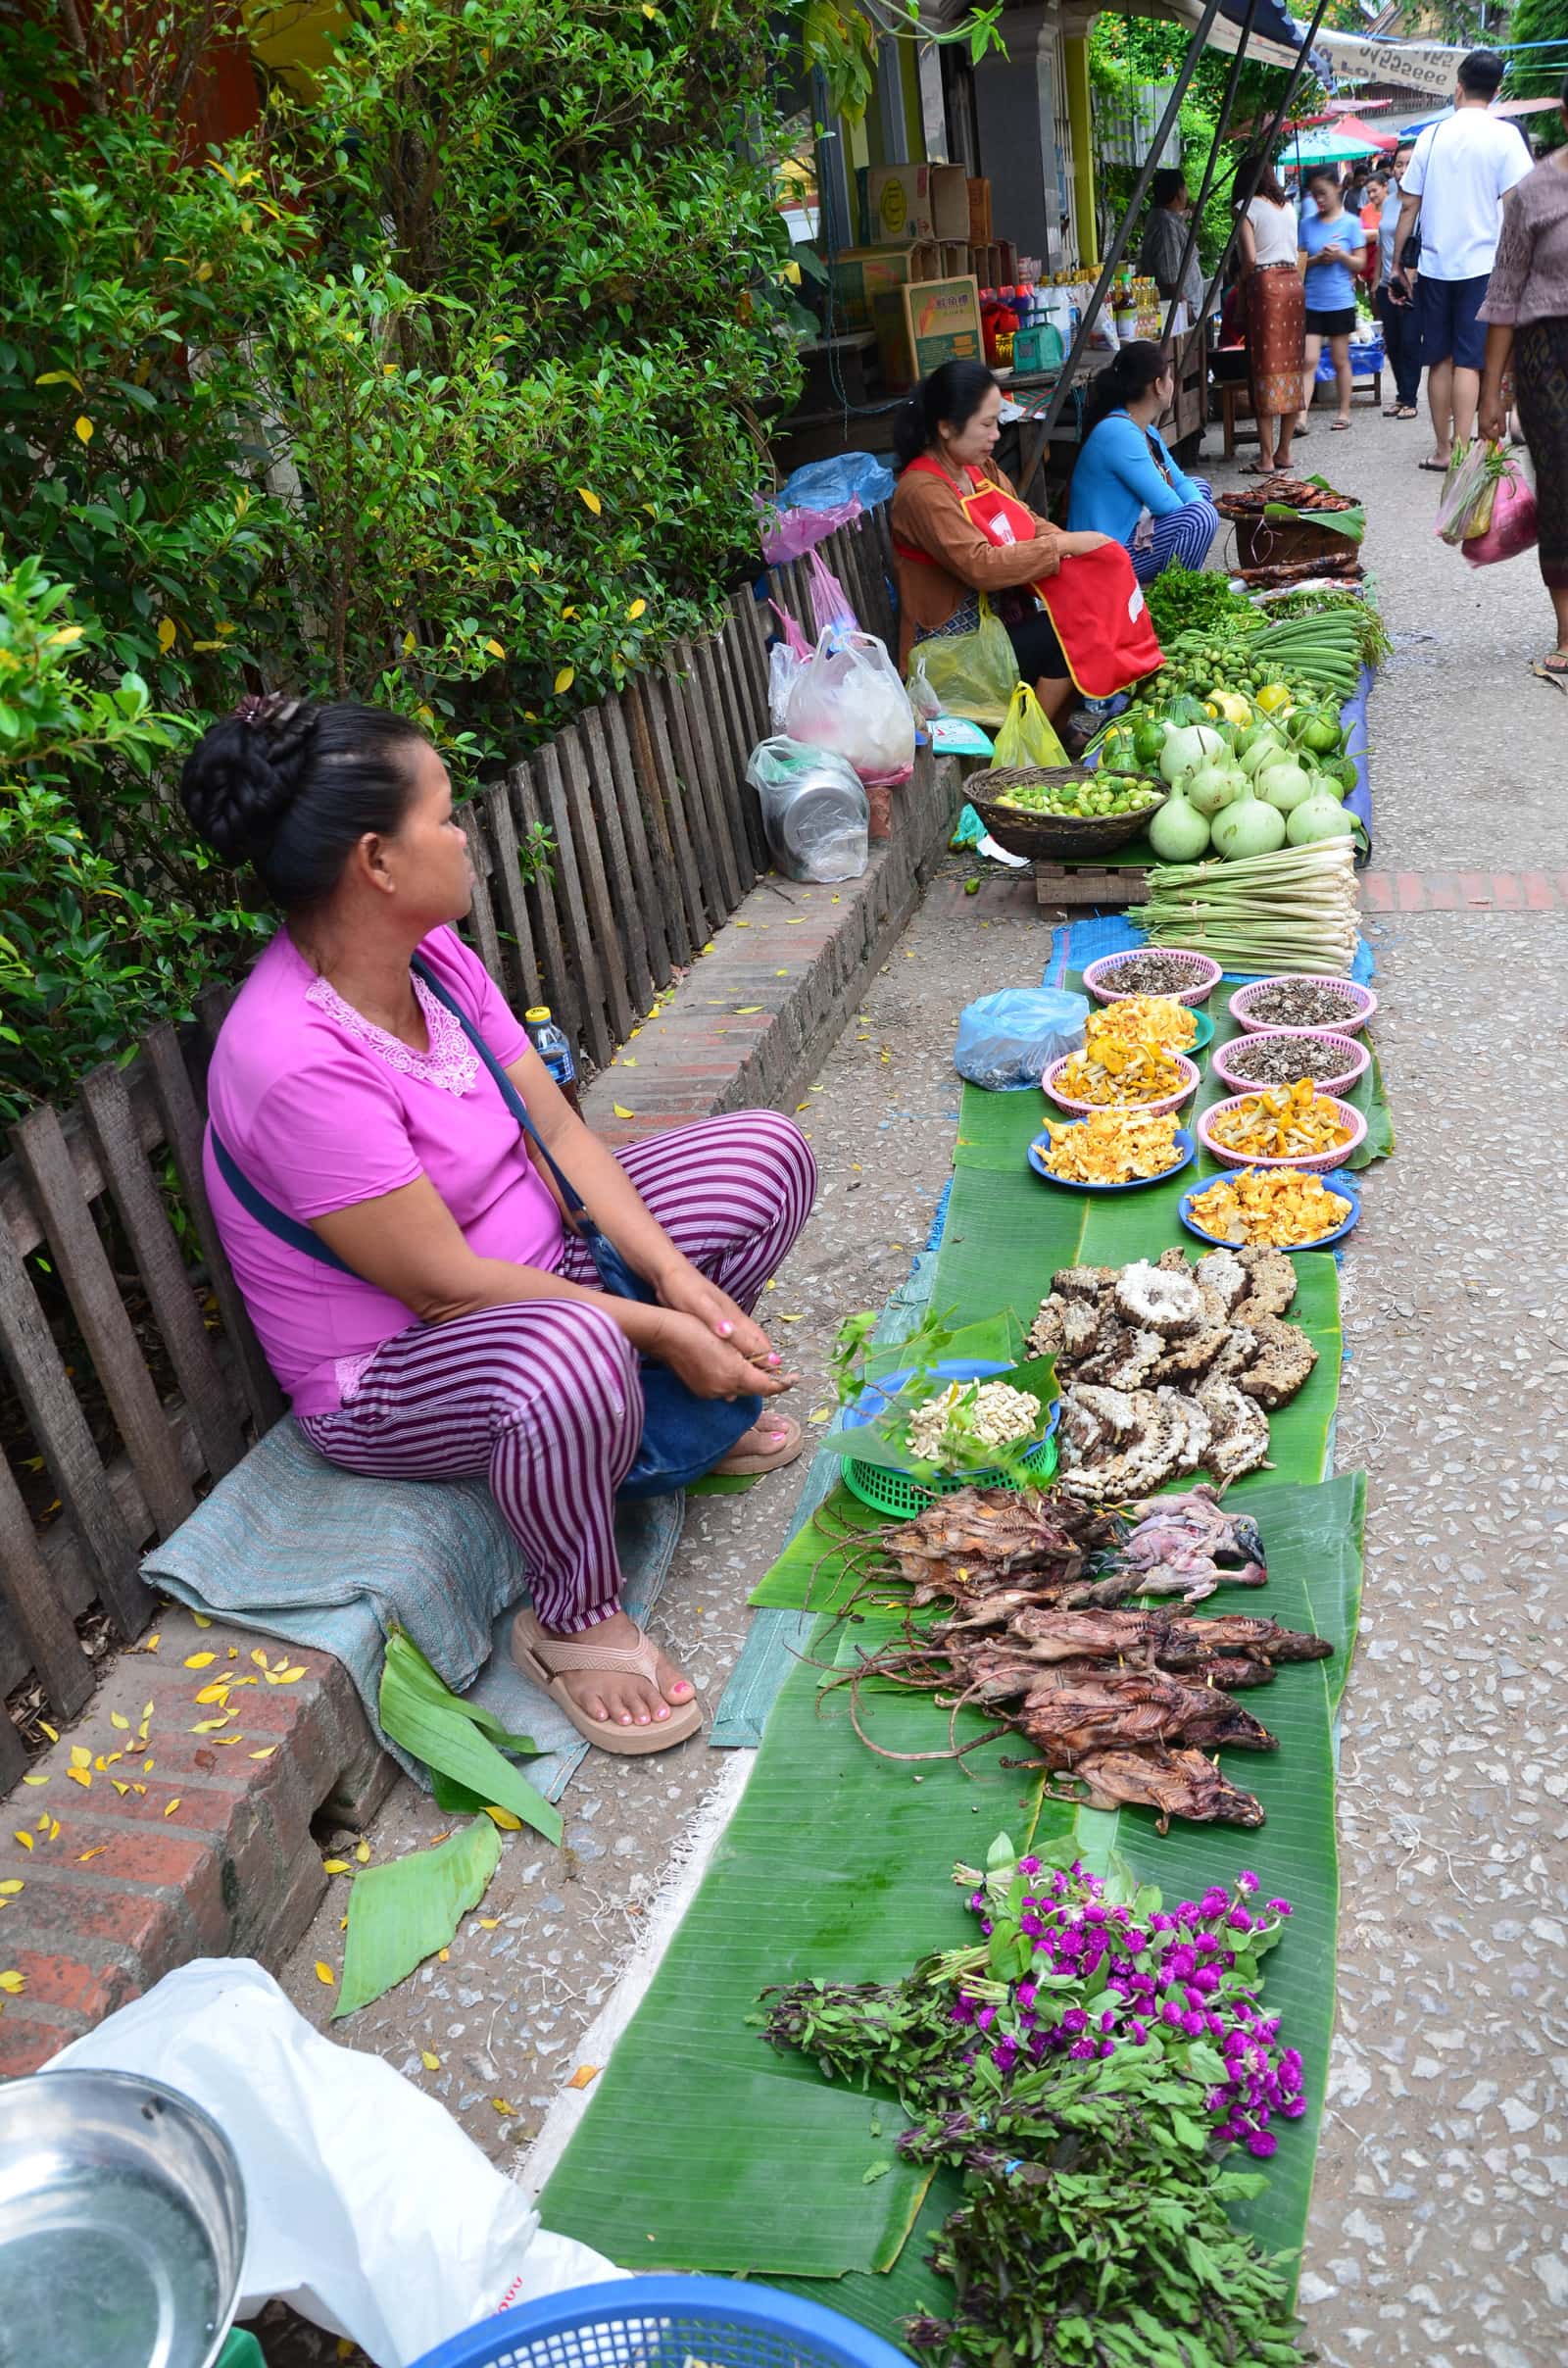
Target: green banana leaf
column 402, row 1912
column 835, row 1867
column 457, row 1742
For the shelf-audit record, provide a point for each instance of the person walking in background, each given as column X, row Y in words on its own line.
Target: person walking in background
column 1331, row 246
column 1275, row 308
column 1400, row 337
column 1126, row 485
column 1166, row 233
column 1462, row 170
column 1368, row 212
column 1526, row 310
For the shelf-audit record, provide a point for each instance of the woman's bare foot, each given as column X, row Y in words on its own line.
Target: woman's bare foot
column 625, row 1701
column 773, row 1441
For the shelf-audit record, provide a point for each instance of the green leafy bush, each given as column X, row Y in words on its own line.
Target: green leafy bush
column 447, row 389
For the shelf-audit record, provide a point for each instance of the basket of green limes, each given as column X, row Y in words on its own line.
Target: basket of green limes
column 1061, row 813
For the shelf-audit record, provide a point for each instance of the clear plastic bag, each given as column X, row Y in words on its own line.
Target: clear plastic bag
column 1464, row 507
column 972, row 674
column 1514, row 527
column 783, row 672
column 830, row 603
column 1026, row 737
column 1010, row 1039
column 849, row 698
column 816, row 811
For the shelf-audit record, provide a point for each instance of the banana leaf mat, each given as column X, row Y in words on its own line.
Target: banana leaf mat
column 703, row 2148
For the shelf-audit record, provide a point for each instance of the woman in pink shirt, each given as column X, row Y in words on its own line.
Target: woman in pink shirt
column 463, row 1329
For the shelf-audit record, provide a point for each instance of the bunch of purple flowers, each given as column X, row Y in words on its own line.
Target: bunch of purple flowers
column 1083, row 1974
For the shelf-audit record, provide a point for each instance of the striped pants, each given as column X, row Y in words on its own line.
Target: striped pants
column 1183, row 540
column 543, row 1397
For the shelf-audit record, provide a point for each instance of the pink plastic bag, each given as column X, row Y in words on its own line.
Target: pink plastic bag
column 1513, row 526
column 789, row 533
column 830, row 603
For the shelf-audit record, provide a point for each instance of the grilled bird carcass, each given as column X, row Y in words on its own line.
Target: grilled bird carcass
column 1137, row 1706
column 1186, row 1642
column 1175, row 1784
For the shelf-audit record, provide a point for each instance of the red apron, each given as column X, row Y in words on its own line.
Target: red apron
column 1095, row 602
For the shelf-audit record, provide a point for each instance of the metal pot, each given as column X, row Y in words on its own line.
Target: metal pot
column 122, row 2225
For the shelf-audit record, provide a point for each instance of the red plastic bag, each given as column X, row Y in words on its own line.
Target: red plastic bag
column 1513, row 528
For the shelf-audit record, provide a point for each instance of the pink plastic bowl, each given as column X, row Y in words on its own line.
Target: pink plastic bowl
column 1148, row 1109
column 1243, row 1000
column 1206, row 974
column 1318, row 1161
column 1355, row 1058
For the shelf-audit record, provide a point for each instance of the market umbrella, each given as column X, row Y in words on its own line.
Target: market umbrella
column 1337, row 143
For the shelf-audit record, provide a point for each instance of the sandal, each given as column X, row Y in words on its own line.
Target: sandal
column 1338, row 426
column 1435, row 468
column 766, row 1459
column 549, row 1660
column 1552, row 669
column 1403, row 411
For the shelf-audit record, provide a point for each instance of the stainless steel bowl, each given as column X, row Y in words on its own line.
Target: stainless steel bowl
column 122, row 2225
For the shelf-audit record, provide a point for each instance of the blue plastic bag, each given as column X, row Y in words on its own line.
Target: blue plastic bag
column 1009, row 1041
column 852, row 477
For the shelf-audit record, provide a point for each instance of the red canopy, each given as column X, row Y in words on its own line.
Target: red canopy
column 1348, row 127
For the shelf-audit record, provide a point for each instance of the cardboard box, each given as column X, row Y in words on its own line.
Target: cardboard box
column 984, row 262
column 898, row 204
column 979, row 233
column 927, row 323
column 950, row 203
column 955, row 258
column 860, row 274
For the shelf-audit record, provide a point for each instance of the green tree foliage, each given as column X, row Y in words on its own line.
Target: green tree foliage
column 1540, row 74
column 446, row 389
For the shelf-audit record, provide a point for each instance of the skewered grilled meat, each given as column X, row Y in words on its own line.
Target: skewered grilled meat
column 1177, row 1784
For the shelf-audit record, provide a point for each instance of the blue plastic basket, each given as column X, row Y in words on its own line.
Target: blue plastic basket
column 1186, row 1152
column 667, row 2323
column 1338, row 1180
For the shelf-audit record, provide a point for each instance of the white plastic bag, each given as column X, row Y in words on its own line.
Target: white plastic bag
column 814, row 810
column 783, row 673
column 848, row 697
column 369, row 2211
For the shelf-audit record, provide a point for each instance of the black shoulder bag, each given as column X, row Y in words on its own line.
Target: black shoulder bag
column 683, row 1435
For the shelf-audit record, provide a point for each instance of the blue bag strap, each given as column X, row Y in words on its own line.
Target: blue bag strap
column 509, row 1092
column 266, row 1212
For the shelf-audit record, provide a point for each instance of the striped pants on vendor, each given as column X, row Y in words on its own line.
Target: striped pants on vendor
column 542, row 1397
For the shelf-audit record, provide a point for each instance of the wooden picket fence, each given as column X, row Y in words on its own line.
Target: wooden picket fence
column 134, row 1377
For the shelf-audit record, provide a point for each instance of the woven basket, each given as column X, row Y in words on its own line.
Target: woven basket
column 1319, row 1162
column 1159, row 1108
column 1354, row 1058
column 1052, row 838
column 1207, row 975
column 1241, row 1002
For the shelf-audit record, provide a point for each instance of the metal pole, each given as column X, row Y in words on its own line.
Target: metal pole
column 1222, row 124
column 1118, row 245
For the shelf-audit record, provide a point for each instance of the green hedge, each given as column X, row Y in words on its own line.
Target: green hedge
column 446, row 389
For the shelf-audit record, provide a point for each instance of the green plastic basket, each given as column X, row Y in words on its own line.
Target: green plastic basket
column 895, row 1494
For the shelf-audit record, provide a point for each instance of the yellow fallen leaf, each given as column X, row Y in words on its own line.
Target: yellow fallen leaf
column 146, row 1767
column 52, row 1733
column 36, row 1780
column 431, row 2064
column 78, row 1757
column 85, row 428
column 584, row 2076
column 334, row 1866
column 169, row 1806
column 121, row 1789
column 639, row 607
column 285, row 1677
column 81, row 1776
column 209, row 1726
column 149, row 1643
column 217, row 1692
column 13, row 1984
column 259, row 1657
column 219, row 1741
column 621, row 1112
column 194, row 1661
column 267, row 1755
column 564, row 680
column 508, row 1823
column 25, row 1839
column 203, row 1619
column 790, row 1319
column 409, row 644
column 324, row 1973
column 820, row 1414
column 363, row 1853
column 82, row 1857
column 54, row 1829
column 443, row 1955
column 146, row 1714
column 234, row 1655
column 744, row 1011
column 124, row 1724
column 590, row 501
column 501, row 2106
column 10, row 1887
column 489, row 1923
column 43, row 1821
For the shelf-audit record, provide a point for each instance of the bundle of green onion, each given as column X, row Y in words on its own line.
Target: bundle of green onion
column 1292, row 911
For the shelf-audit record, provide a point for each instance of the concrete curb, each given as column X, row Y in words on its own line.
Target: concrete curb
column 162, row 1828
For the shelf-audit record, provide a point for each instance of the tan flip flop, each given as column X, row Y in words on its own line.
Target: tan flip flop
column 549, row 1660
column 766, row 1459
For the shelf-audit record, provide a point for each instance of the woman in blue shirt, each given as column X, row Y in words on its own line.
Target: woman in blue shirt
column 1332, row 251
column 1126, row 485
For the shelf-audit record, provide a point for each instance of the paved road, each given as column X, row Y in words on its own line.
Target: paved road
column 1438, row 2228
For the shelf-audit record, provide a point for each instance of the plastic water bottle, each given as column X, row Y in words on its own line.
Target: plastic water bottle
column 550, row 1043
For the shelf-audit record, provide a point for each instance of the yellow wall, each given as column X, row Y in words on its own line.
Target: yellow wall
column 1075, row 56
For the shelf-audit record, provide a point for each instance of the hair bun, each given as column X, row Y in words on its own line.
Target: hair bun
column 245, row 772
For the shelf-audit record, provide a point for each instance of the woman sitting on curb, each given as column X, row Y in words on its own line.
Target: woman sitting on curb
column 456, row 1325
column 1126, row 485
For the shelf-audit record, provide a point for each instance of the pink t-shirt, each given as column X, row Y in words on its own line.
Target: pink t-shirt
column 320, row 1109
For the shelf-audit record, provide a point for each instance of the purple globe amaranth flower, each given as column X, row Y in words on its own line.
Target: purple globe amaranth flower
column 1214, row 1901
column 1205, row 1980
column 985, row 2017
column 1028, row 1866
column 1075, row 2019
column 1082, row 2049
column 1294, row 2107
column 1005, row 2054
column 1026, row 1995
column 1245, row 1882
column 1170, row 2012
column 1262, row 2144
column 1194, row 2025
column 1279, row 1907
column 1238, row 1920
